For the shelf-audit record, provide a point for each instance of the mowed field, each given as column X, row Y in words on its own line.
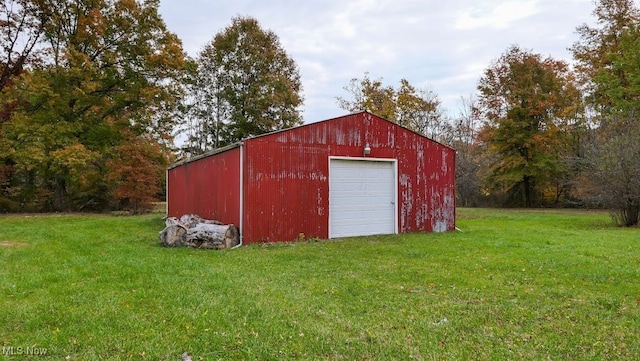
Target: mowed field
column 513, row 285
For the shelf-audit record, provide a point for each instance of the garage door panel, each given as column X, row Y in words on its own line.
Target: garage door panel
column 354, row 211
column 360, row 203
column 361, row 197
column 372, row 229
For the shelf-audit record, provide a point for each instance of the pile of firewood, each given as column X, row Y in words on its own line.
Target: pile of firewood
column 193, row 231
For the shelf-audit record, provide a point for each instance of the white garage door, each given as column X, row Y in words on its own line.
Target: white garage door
column 362, row 197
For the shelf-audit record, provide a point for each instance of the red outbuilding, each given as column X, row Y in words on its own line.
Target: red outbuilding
column 354, row 175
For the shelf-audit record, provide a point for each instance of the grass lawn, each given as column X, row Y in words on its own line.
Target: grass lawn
column 514, row 285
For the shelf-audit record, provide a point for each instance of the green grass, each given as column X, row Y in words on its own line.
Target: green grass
column 534, row 285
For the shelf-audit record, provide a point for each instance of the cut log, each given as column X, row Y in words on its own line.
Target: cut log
column 213, row 236
column 191, row 220
column 170, row 221
column 196, row 232
column 174, row 235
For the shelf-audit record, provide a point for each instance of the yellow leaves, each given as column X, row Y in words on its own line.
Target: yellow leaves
column 91, row 26
column 418, row 110
column 72, row 158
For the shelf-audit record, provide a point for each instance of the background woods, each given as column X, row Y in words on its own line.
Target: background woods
column 93, row 92
column 84, row 84
column 540, row 132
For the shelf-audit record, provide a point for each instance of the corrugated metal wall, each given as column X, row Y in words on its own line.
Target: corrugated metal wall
column 426, row 183
column 286, row 177
column 286, row 190
column 208, row 187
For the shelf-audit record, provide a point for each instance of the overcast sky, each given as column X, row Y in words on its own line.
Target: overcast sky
column 434, row 44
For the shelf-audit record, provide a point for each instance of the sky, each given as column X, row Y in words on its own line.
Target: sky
column 438, row 45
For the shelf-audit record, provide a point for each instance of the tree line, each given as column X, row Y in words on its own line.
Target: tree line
column 556, row 134
column 88, row 91
column 92, row 94
column 540, row 131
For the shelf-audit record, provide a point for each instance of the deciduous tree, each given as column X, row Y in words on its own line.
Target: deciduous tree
column 22, row 25
column 109, row 72
column 608, row 56
column 418, row 110
column 245, row 85
column 370, row 95
column 135, row 173
column 597, row 47
column 612, row 171
column 526, row 101
column 470, row 154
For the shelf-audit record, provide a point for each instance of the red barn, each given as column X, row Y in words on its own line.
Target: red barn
column 354, row 175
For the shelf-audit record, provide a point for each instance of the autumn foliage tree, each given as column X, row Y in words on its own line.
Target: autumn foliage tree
column 135, row 172
column 370, row 95
column 526, row 101
column 104, row 77
column 245, row 84
column 418, row 110
column 608, row 56
column 600, row 45
column 22, row 26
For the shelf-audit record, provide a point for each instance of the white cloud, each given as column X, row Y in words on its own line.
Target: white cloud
column 493, row 14
column 442, row 45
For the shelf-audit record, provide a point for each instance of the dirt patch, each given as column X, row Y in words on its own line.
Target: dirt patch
column 12, row 244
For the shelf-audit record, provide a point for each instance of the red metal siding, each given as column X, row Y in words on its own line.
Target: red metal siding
column 426, row 183
column 286, row 190
column 286, row 177
column 209, row 187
